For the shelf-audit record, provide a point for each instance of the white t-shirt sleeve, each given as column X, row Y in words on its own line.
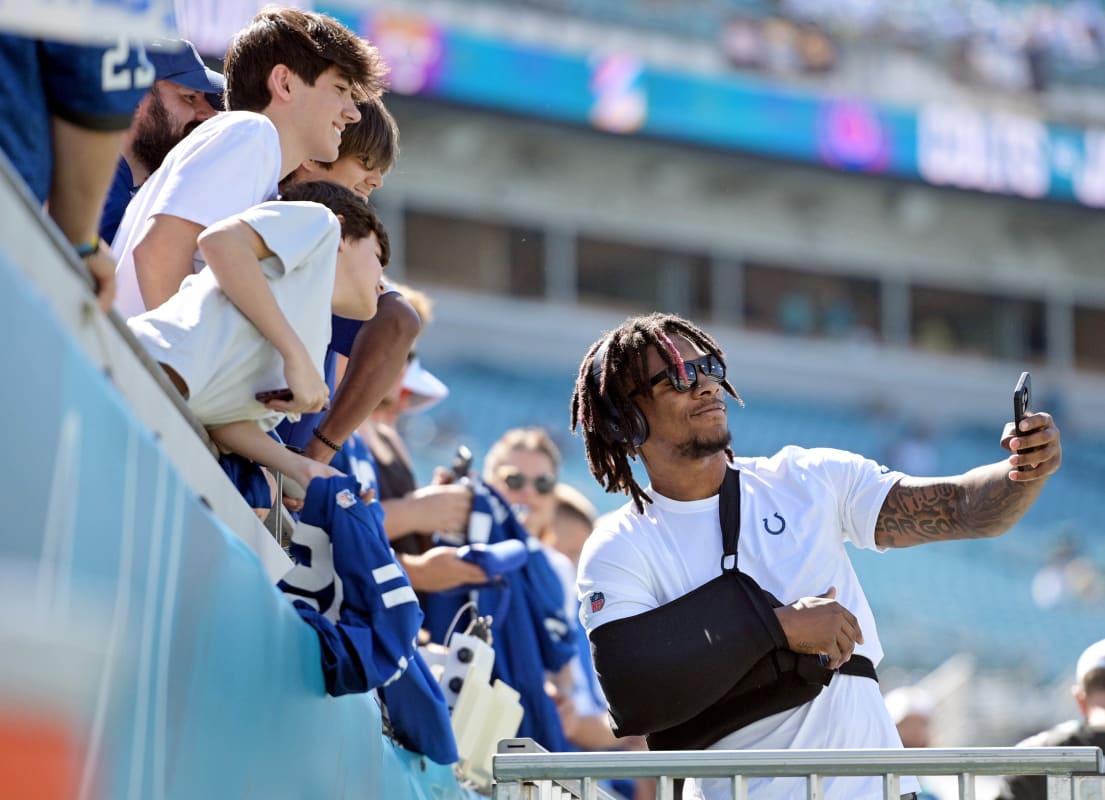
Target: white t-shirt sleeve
column 612, row 581
column 221, row 175
column 860, row 487
column 295, row 232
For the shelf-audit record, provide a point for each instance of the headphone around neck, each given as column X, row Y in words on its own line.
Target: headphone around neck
column 632, row 430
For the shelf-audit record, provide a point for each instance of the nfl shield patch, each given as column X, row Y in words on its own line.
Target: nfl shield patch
column 346, row 498
column 597, row 602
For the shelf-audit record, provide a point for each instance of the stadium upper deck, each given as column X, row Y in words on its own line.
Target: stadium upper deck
column 1004, row 44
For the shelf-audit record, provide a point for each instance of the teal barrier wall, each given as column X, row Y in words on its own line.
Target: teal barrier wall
column 215, row 688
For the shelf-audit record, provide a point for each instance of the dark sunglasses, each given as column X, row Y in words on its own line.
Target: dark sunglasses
column 542, row 483
column 708, row 366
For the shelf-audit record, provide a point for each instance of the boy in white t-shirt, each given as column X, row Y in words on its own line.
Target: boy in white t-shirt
column 369, row 149
column 293, row 79
column 256, row 318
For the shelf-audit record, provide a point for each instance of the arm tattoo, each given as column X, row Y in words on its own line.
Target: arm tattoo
column 977, row 504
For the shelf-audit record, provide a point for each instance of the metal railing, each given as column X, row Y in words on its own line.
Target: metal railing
column 521, row 773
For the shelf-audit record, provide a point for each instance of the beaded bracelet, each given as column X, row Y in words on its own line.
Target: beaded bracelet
column 318, row 435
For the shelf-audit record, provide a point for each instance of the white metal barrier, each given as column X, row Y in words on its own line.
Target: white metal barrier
column 521, row 772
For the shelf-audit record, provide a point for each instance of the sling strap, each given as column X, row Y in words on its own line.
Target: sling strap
column 729, row 509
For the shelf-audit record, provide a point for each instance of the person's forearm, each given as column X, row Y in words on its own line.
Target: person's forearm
column 399, row 517
column 84, row 165
column 978, row 504
column 379, row 353
column 985, row 502
column 231, row 252
column 248, row 440
column 991, row 503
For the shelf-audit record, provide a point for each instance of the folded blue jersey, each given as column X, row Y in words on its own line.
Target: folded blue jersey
column 419, row 714
column 347, row 585
column 531, row 634
column 495, row 559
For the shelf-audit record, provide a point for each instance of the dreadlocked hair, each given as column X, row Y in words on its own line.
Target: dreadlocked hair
column 623, row 372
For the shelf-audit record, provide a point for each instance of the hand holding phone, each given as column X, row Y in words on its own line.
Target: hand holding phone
column 462, row 463
column 274, row 394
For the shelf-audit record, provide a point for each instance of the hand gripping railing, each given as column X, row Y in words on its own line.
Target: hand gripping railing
column 1070, row 771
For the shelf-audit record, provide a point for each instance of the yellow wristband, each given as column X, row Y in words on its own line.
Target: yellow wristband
column 88, row 248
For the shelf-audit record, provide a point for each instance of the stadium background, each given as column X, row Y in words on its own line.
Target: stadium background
column 885, row 211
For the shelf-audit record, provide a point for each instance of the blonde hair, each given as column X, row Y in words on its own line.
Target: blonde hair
column 419, row 300
column 532, row 440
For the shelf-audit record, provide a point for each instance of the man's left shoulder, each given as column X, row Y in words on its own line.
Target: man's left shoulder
column 792, row 458
column 843, row 464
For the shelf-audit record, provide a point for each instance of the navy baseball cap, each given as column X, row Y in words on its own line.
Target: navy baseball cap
column 178, row 61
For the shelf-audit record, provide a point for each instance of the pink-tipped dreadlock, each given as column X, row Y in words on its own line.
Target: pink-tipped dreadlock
column 680, row 367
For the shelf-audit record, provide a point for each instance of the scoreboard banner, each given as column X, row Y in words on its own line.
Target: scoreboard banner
column 941, row 144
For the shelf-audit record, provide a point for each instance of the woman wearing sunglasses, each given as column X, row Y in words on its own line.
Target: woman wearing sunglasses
column 522, row 466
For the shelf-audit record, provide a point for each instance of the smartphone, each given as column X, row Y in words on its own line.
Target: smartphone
column 274, row 394
column 462, row 463
column 1022, row 398
column 1022, row 403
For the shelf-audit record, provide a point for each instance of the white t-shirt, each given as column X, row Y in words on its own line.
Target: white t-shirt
column 221, row 356
column 228, row 164
column 798, row 508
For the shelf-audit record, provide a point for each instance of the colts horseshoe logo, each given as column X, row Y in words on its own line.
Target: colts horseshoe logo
column 775, row 531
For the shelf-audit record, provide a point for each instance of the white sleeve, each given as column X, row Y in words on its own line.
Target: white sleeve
column 612, row 581
column 860, row 487
column 294, row 232
column 221, row 175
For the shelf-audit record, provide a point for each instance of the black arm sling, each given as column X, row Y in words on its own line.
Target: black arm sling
column 691, row 671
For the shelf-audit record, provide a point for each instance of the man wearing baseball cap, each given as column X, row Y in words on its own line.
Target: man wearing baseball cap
column 1089, row 693
column 185, row 93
